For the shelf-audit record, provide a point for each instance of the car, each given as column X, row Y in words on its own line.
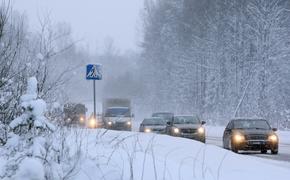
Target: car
column 168, row 116
column 153, row 124
column 250, row 134
column 187, row 126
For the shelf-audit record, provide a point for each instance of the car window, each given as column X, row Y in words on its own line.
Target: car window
column 251, row 124
column 154, row 121
column 230, row 125
column 186, row 120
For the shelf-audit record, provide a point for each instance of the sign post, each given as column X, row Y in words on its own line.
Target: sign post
column 94, row 72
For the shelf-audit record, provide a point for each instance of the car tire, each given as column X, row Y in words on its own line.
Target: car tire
column 264, row 151
column 274, row 151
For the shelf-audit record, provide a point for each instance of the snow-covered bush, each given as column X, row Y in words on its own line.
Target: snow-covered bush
column 25, row 147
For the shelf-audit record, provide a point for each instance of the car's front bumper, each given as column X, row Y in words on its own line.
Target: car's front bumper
column 194, row 136
column 256, row 145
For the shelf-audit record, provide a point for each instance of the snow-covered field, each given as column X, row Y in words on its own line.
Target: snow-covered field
column 114, row 155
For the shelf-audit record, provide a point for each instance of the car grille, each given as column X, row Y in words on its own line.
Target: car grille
column 188, row 131
column 256, row 137
column 157, row 130
column 120, row 124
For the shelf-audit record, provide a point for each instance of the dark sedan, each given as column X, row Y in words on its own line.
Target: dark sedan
column 187, row 126
column 153, row 124
column 250, row 134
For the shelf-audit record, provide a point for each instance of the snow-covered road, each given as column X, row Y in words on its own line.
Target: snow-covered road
column 284, row 150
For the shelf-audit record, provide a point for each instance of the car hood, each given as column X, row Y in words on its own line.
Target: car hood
column 155, row 126
column 255, row 131
column 187, row 126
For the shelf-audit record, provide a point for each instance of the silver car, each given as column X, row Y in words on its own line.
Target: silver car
column 153, row 124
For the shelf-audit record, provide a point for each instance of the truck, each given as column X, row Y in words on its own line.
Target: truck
column 117, row 114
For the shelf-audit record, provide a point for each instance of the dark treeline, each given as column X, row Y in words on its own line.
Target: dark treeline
column 218, row 58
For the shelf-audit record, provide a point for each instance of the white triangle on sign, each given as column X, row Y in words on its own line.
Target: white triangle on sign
column 94, row 72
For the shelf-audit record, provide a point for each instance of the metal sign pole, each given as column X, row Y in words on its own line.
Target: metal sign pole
column 95, row 116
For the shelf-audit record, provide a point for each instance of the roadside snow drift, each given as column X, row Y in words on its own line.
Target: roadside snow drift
column 116, row 155
column 113, row 155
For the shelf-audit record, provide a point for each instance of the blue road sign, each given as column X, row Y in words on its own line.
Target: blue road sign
column 94, row 72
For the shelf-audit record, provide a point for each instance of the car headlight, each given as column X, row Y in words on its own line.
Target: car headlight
column 239, row 138
column 129, row 123
column 200, row 130
column 92, row 123
column 147, row 130
column 273, row 138
column 82, row 119
column 176, row 130
column 110, row 123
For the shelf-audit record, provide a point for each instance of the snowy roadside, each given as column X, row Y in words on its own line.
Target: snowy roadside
column 127, row 155
column 114, row 155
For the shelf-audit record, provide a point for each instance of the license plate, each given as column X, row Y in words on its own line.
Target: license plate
column 256, row 143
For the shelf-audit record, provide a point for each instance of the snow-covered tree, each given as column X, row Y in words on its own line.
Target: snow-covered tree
column 26, row 141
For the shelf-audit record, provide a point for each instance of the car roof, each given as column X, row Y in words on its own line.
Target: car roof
column 248, row 118
column 154, row 118
column 162, row 113
column 185, row 115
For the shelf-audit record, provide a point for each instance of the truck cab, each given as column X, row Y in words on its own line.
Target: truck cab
column 117, row 114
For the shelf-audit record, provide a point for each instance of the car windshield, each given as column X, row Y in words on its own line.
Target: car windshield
column 186, row 120
column 116, row 112
column 154, row 121
column 251, row 124
column 167, row 116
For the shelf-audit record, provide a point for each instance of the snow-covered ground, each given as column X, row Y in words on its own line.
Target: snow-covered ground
column 115, row 155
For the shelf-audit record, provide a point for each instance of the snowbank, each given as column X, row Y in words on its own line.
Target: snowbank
column 113, row 155
column 127, row 155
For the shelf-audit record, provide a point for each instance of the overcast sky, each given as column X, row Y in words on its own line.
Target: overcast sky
column 91, row 20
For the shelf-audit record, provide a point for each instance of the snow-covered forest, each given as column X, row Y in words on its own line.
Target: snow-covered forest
column 220, row 58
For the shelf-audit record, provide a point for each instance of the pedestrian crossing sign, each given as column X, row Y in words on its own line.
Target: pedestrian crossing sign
column 94, row 72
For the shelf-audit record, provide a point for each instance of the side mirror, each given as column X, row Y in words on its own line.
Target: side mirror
column 168, row 123
column 228, row 129
column 274, row 129
column 203, row 122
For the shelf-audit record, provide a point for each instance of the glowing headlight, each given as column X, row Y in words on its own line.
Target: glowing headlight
column 239, row 138
column 176, row 130
column 110, row 123
column 129, row 123
column 82, row 119
column 92, row 123
column 273, row 138
column 200, row 130
column 147, row 130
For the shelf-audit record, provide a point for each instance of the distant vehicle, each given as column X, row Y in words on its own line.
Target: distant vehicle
column 250, row 134
column 117, row 114
column 75, row 114
column 187, row 126
column 165, row 115
column 153, row 124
